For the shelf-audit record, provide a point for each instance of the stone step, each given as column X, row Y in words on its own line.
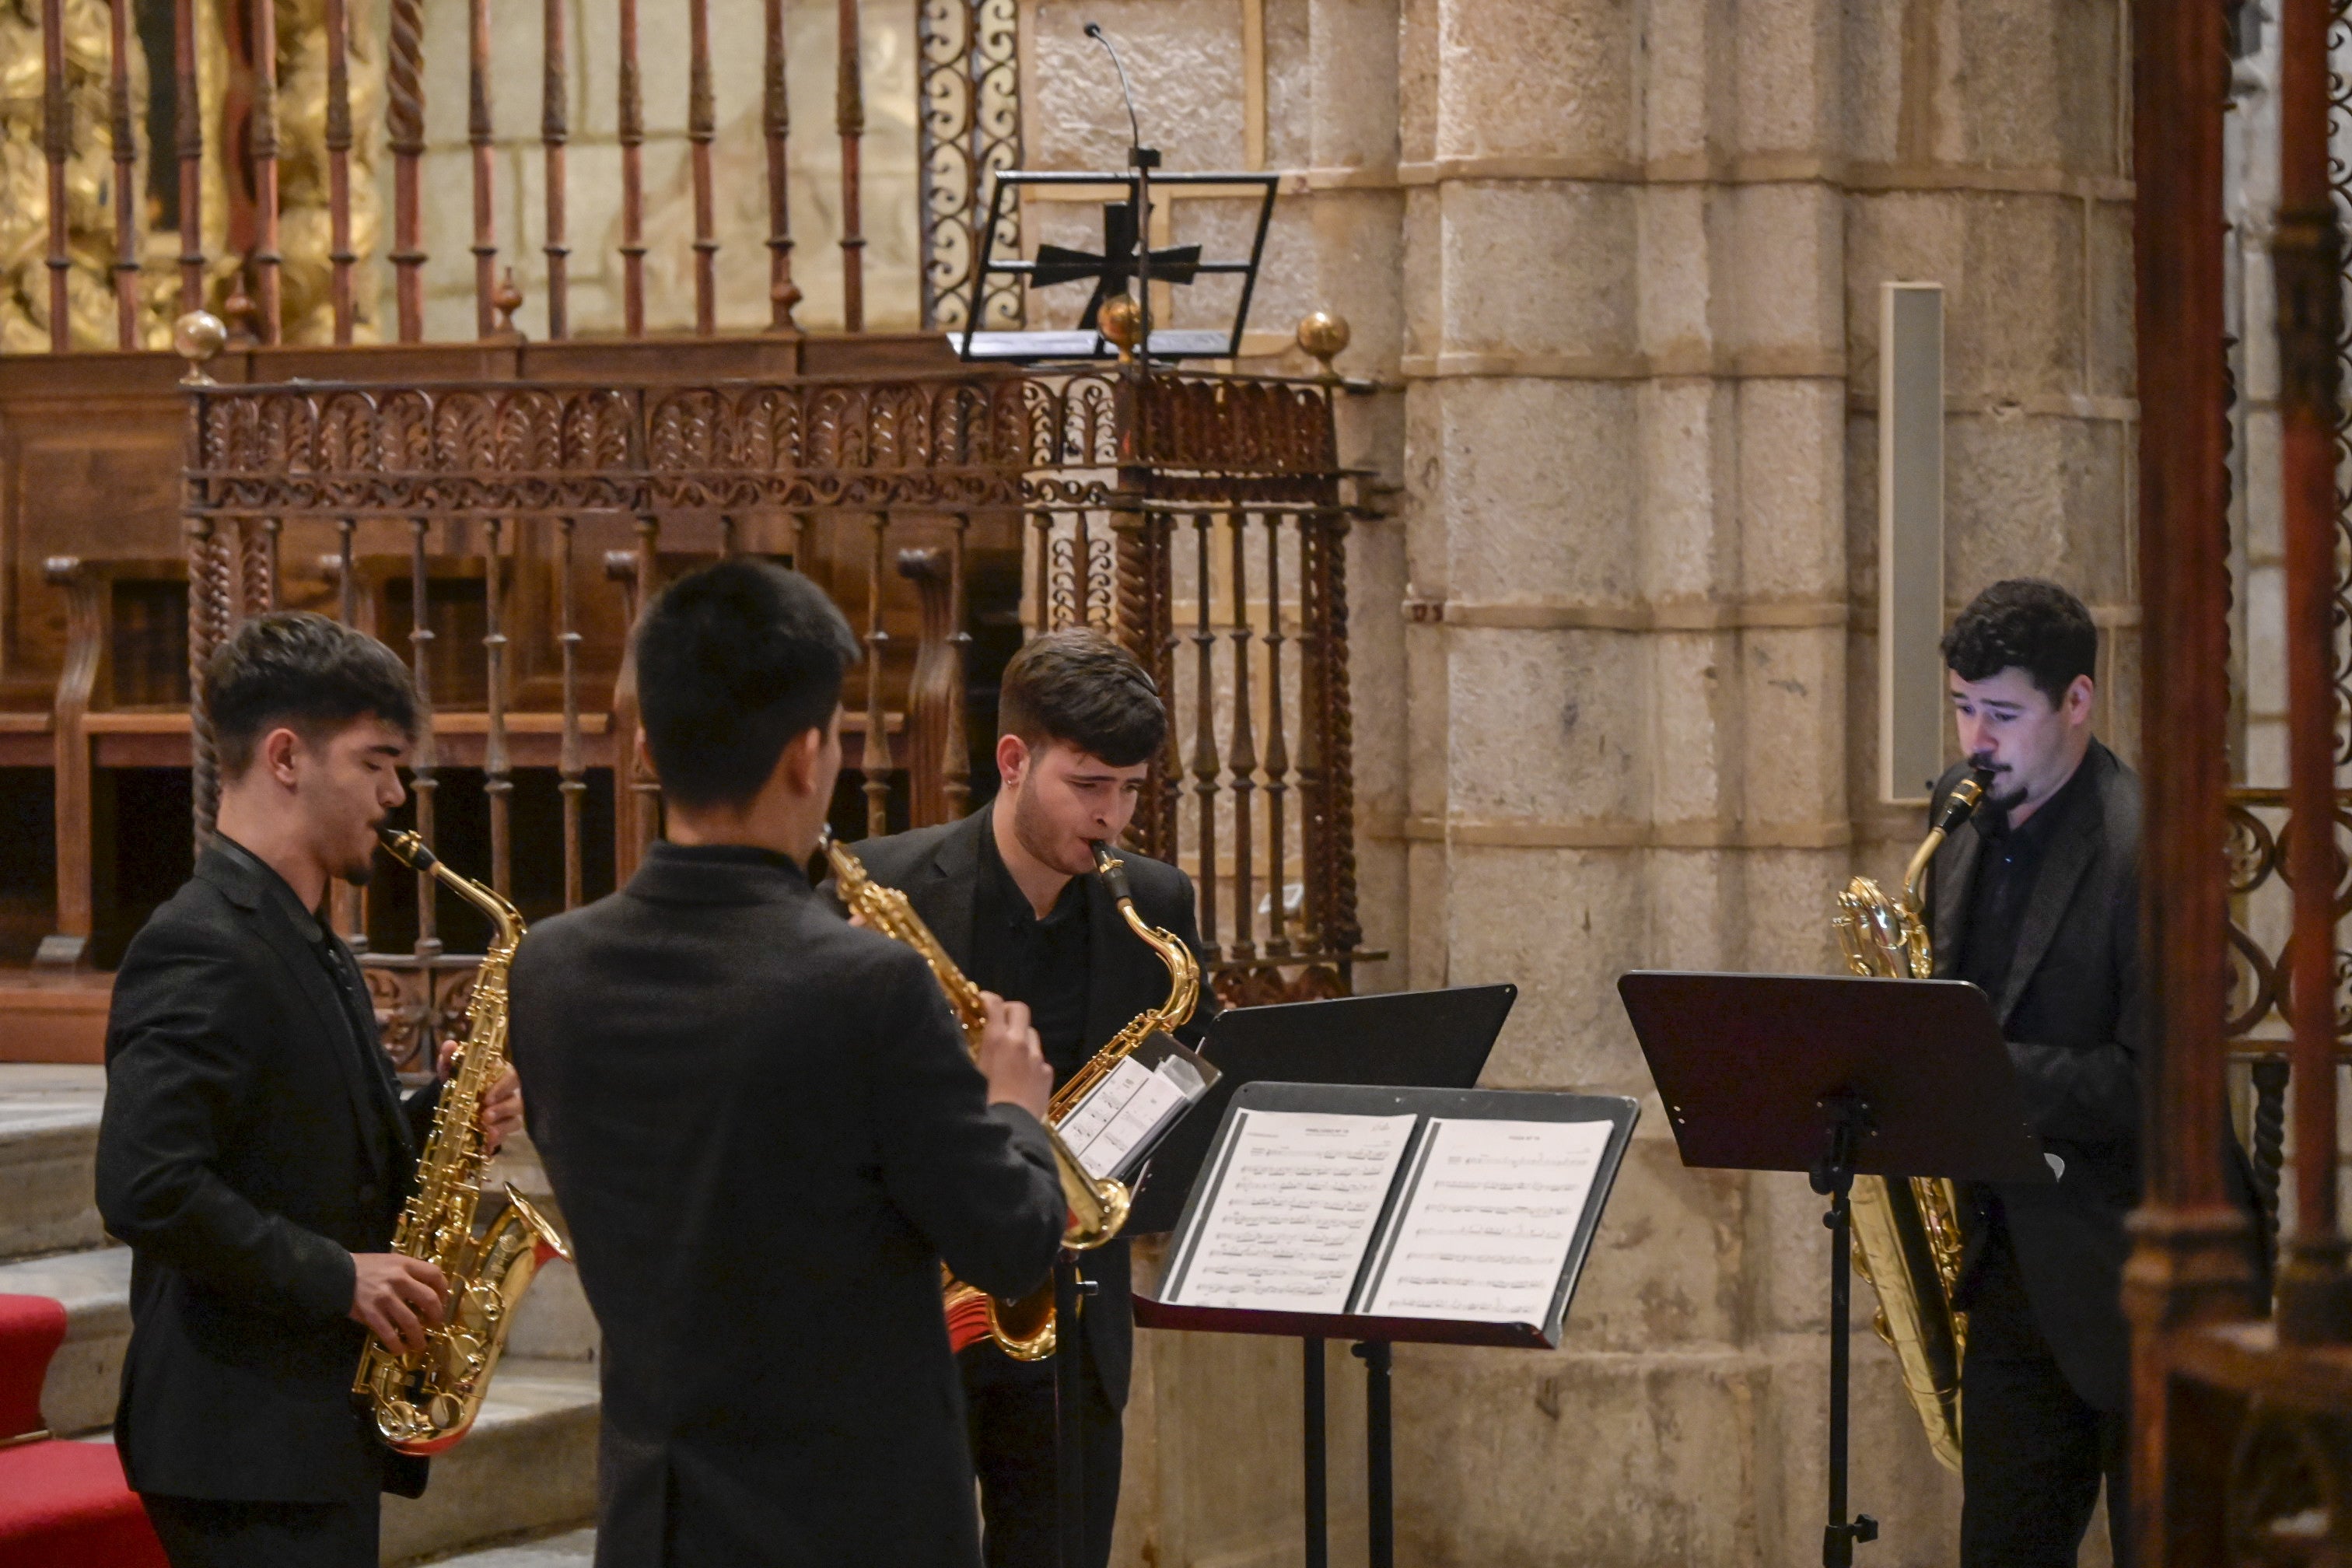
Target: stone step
column 554, row 1325
column 568, row 1549
column 528, row 1465
column 87, row 1371
column 48, row 1150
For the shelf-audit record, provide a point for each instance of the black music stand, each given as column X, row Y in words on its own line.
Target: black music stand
column 1837, row 1077
column 1375, row 1333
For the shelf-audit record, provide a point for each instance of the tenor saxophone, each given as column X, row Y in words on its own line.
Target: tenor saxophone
column 425, row 1401
column 1024, row 1329
column 1096, row 1208
column 1906, row 1232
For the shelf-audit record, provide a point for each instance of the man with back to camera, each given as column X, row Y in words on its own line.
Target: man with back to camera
column 254, row 1151
column 1011, row 893
column 766, row 1131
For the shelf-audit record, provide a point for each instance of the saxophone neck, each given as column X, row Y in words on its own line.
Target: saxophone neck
column 506, row 922
column 1184, row 969
column 1958, row 807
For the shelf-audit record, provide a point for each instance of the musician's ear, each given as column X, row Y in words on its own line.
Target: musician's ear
column 1012, row 759
column 2080, row 696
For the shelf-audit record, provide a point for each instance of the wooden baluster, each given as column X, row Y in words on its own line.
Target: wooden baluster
column 1314, row 775
column 633, row 178
column 68, row 945
column 554, row 132
column 701, row 128
column 929, row 690
column 478, row 134
column 404, row 116
column 1277, row 753
column 208, row 592
column 425, row 760
column 258, row 547
column 1040, row 528
column 2313, row 1306
column 849, row 109
column 572, row 774
column 56, row 145
column 188, row 129
column 1241, row 755
column 727, row 535
column 340, row 255
column 874, row 763
column 1204, row 725
column 1343, row 931
column 636, row 810
column 349, row 911
column 498, row 771
column 1159, row 539
column 125, row 135
column 263, row 145
column 776, row 121
column 955, row 781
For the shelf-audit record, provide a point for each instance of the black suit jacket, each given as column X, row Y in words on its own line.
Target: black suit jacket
column 939, row 870
column 248, row 1147
column 765, row 1134
column 2074, row 1010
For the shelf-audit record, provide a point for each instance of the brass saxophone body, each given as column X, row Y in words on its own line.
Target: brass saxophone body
column 424, row 1402
column 1097, row 1209
column 1906, row 1232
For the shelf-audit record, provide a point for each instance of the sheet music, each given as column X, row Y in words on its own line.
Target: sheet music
column 1292, row 1206
column 1485, row 1225
column 1130, row 1104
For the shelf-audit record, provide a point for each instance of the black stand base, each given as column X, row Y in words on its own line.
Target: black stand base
column 1380, row 1469
column 1069, row 1413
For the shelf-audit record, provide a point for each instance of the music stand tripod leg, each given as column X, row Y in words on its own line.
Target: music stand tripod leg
column 1380, row 1472
column 1848, row 1120
column 1318, row 1536
column 1069, row 1412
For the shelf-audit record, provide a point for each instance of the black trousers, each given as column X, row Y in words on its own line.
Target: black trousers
column 2033, row 1451
column 1009, row 1408
column 206, row 1532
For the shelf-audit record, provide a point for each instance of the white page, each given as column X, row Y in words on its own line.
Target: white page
column 1484, row 1231
column 1293, row 1204
column 1130, row 1105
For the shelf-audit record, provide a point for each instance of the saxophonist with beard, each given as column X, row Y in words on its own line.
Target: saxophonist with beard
column 2035, row 901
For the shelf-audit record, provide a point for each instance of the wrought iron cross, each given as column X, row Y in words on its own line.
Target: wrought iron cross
column 1116, row 267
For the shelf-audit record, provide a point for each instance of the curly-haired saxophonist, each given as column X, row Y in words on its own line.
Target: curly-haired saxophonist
column 254, row 1150
column 766, row 1131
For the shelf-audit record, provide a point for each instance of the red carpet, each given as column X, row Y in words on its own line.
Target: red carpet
column 62, row 1505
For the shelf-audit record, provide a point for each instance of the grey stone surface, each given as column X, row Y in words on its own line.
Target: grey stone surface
column 48, row 1142
column 571, row 1549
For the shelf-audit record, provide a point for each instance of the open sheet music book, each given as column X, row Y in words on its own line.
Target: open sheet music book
column 1462, row 1218
column 1115, row 1128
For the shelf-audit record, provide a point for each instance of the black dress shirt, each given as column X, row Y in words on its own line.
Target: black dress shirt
column 2006, row 868
column 1043, row 962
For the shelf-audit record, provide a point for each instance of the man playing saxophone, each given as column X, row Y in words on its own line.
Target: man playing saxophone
column 255, row 1150
column 1013, row 894
column 2035, row 901
column 766, row 1132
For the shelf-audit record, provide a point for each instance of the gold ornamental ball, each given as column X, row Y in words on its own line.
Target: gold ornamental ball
column 1121, row 321
column 198, row 336
column 1323, row 334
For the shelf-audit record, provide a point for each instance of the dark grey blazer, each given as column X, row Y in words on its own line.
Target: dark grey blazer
column 2076, row 1012
column 765, row 1134
column 246, row 1150
column 939, row 870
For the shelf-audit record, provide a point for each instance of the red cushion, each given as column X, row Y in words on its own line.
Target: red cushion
column 67, row 1503
column 31, row 1330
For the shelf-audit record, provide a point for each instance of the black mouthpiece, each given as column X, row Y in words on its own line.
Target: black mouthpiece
column 1963, row 802
column 1114, row 873
column 407, row 848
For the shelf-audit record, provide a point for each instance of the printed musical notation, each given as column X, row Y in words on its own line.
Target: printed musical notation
column 1293, row 1206
column 1130, row 1107
column 1489, row 1211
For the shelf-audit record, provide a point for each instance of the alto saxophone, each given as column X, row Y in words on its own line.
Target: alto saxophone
column 1096, row 1208
column 1906, row 1233
column 1024, row 1329
column 425, row 1401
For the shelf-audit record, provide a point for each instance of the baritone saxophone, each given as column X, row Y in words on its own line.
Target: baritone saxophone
column 1907, row 1231
column 424, row 1401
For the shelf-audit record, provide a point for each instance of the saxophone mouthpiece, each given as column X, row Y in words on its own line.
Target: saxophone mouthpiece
column 407, row 848
column 1113, row 871
column 1966, row 795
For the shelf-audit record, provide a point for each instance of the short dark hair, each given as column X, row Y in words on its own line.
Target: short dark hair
column 1079, row 687
column 2028, row 623
column 305, row 672
column 733, row 661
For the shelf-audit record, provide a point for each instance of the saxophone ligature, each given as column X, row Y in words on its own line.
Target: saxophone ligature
column 1906, row 1233
column 1096, row 1208
column 425, row 1401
